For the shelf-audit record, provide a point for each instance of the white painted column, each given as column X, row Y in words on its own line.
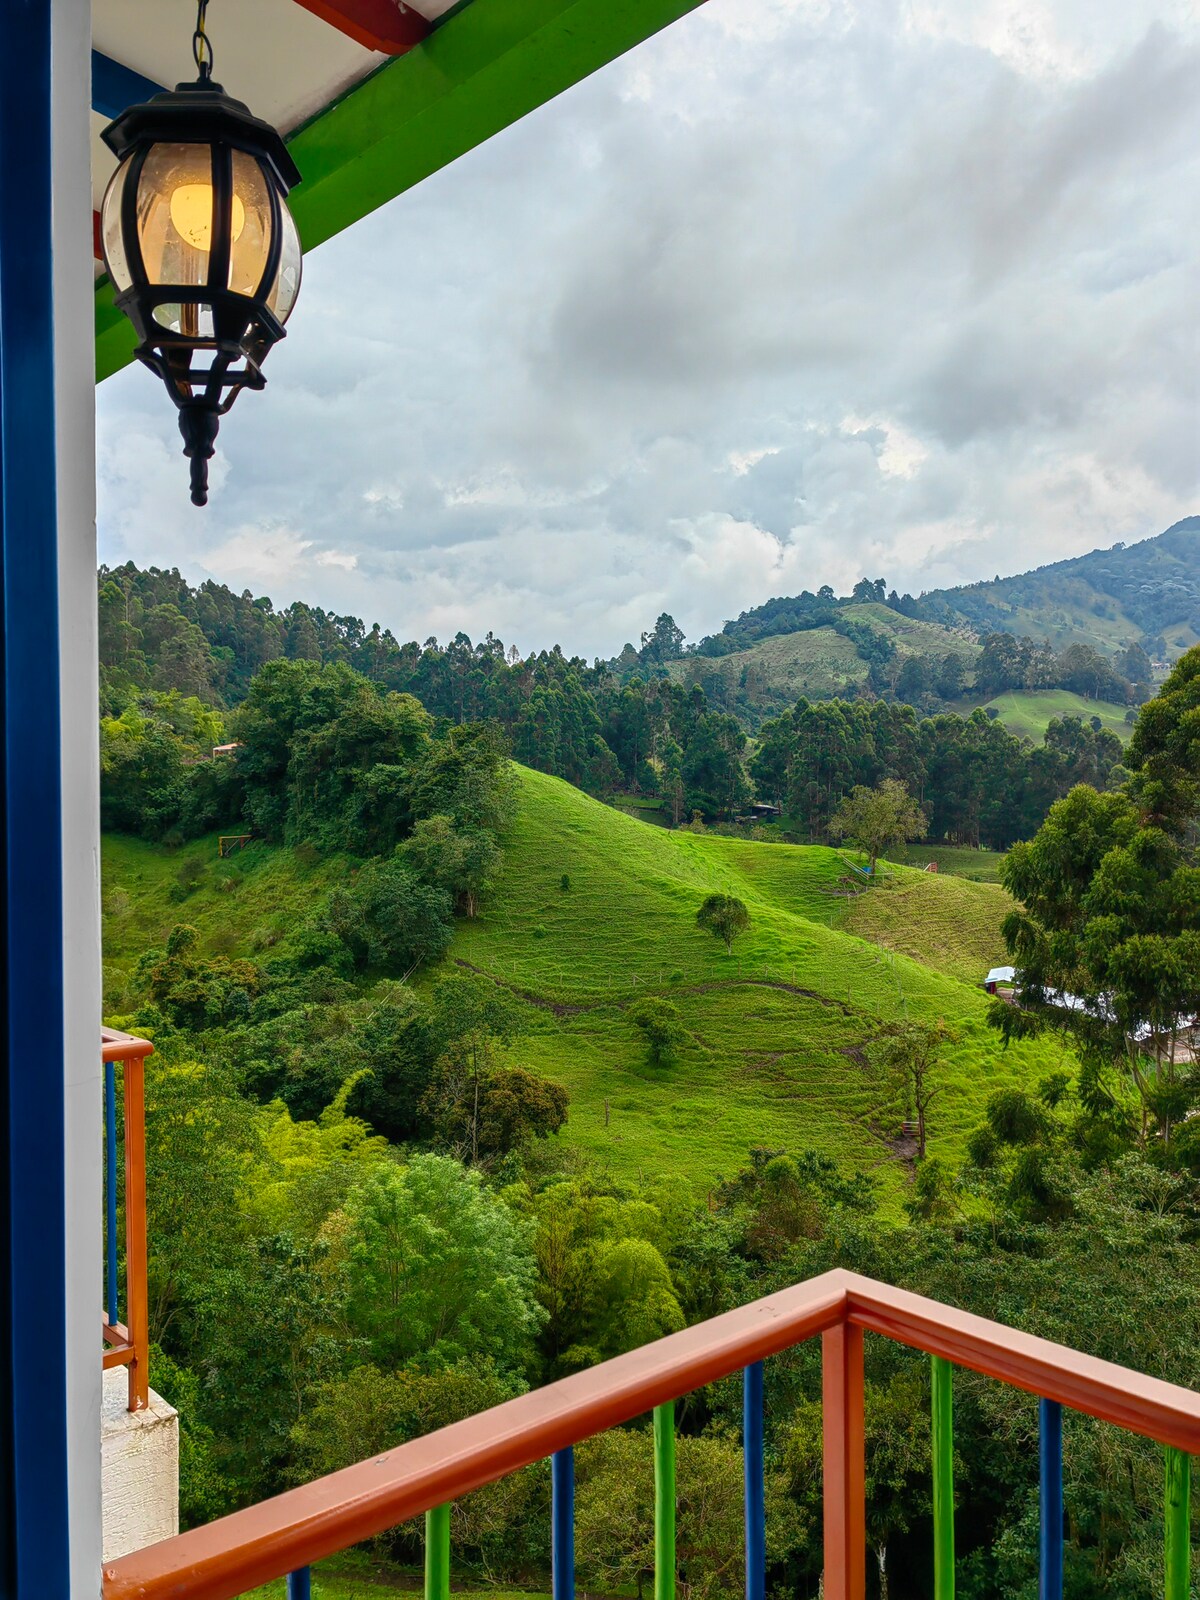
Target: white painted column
column 74, row 357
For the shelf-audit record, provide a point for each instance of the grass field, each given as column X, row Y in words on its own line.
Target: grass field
column 981, row 866
column 777, row 1033
column 1029, row 714
column 818, row 662
column 914, row 638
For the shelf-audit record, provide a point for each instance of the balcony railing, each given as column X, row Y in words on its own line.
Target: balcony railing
column 126, row 1343
column 287, row 1534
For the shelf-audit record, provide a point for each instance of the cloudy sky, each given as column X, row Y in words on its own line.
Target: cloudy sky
column 799, row 290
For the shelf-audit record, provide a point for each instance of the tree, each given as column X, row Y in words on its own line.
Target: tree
column 909, row 1058
column 438, row 1267
column 878, row 819
column 724, row 916
column 388, row 918
column 615, row 1513
column 463, row 863
column 1105, row 940
column 662, row 1025
column 1164, row 752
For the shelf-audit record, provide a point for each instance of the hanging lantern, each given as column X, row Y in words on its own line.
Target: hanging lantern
column 200, row 246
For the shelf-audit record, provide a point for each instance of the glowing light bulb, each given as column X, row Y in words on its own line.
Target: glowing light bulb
column 191, row 212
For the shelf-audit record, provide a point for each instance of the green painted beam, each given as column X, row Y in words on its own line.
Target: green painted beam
column 489, row 65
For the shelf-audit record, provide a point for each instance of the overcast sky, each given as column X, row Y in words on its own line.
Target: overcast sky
column 798, row 291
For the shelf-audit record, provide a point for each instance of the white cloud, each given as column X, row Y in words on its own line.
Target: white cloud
column 799, row 290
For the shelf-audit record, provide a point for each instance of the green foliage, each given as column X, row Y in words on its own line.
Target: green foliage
column 462, row 864
column 724, row 916
column 438, row 1267
column 1110, row 907
column 1165, row 750
column 660, row 1022
column 878, row 819
column 388, row 919
column 615, row 1513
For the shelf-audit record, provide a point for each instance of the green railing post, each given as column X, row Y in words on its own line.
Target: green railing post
column 1177, row 1517
column 664, row 1501
column 437, row 1553
column 943, row 1479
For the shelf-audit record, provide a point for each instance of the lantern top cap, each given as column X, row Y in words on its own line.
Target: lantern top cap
column 198, row 113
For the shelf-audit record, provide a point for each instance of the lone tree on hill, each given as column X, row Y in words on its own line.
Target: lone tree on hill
column 909, row 1058
column 662, row 1025
column 878, row 819
column 724, row 916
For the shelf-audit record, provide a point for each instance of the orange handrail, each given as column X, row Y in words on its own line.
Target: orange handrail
column 295, row 1529
column 128, row 1343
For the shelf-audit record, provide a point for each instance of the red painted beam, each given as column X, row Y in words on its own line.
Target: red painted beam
column 386, row 25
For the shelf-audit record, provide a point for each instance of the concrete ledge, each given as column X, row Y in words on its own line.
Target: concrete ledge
column 139, row 1469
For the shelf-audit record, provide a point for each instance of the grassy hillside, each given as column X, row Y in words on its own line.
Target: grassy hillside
column 777, row 671
column 912, row 638
column 777, row 1031
column 1105, row 598
column 1028, row 714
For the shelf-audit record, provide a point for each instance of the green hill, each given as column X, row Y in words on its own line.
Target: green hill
column 777, row 1032
column 1029, row 714
column 1106, row 598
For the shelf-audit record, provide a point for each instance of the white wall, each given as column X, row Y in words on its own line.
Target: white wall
column 75, row 407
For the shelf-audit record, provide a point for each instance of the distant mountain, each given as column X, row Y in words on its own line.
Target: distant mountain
column 1146, row 593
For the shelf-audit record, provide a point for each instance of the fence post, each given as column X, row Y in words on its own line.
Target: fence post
column 562, row 1523
column 752, row 1466
column 1177, row 1509
column 110, row 1189
column 137, row 1302
column 943, row 1479
column 664, row 1501
column 1050, row 1579
column 437, row 1553
column 845, row 1464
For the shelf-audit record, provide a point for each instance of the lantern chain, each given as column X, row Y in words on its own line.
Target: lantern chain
column 202, row 51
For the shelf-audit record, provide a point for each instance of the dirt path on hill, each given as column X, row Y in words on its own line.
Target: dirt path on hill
column 563, row 1008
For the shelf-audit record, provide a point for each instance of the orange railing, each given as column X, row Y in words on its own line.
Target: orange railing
column 127, row 1342
column 286, row 1534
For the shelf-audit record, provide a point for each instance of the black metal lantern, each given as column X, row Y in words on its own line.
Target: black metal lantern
column 201, row 248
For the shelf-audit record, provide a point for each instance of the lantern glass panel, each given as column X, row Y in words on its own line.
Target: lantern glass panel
column 113, row 239
column 251, row 230
column 175, row 214
column 287, row 279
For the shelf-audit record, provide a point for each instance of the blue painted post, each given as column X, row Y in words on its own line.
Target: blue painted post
column 752, row 1457
column 1050, row 1580
column 36, row 1514
column 299, row 1584
column 562, row 1523
column 110, row 1185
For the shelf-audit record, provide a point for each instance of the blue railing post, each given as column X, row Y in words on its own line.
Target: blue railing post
column 755, row 1499
column 562, row 1523
column 110, row 1185
column 1050, row 1580
column 299, row 1584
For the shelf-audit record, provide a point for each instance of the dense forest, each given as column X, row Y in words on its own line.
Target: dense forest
column 403, row 1240
column 186, row 669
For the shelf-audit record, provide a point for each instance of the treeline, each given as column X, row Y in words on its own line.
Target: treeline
column 167, row 651
column 976, row 783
